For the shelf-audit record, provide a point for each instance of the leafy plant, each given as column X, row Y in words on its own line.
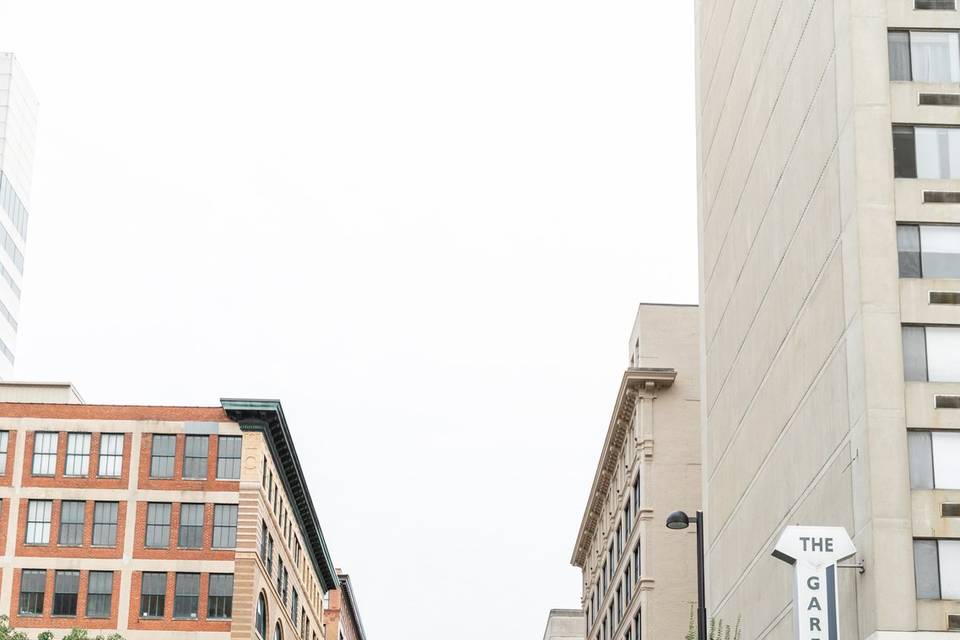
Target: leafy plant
column 9, row 633
column 716, row 629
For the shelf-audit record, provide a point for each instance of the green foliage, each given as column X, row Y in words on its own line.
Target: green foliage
column 716, row 629
column 9, row 633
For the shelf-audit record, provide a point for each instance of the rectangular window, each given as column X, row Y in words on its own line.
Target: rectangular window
column 45, row 453
column 904, row 152
column 931, row 353
column 228, row 457
column 162, row 452
column 191, row 526
column 225, row 526
column 105, row 524
column 280, row 587
column 78, row 454
column 66, row 585
column 636, row 563
column 186, row 601
column 4, row 443
column 33, row 583
column 937, row 569
column 38, row 521
column 220, row 596
column 929, row 251
column 158, row 524
column 72, row 514
column 933, row 459
column 111, row 455
column 941, row 5
column 924, row 56
column 195, row 457
column 294, row 606
column 153, row 595
column 937, row 152
column 627, row 583
column 99, row 594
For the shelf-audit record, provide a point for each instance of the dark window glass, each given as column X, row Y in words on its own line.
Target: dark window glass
column 228, row 457
column 926, row 560
column 195, row 456
column 153, row 595
column 294, row 606
column 898, row 49
column 908, row 250
column 943, row 5
column 71, row 523
column 224, row 526
column 162, row 453
column 187, row 595
column 920, row 447
column 33, row 582
column 191, row 526
column 66, row 585
column 914, row 354
column 220, row 596
column 904, row 152
column 158, row 524
column 105, row 524
column 99, row 594
column 261, row 617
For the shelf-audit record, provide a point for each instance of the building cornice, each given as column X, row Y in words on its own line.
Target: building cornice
column 634, row 381
column 352, row 603
column 266, row 416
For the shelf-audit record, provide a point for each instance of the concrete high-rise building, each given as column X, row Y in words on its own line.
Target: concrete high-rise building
column 18, row 124
column 565, row 624
column 169, row 523
column 639, row 578
column 829, row 184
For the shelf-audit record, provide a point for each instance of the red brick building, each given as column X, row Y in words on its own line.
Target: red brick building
column 341, row 617
column 157, row 522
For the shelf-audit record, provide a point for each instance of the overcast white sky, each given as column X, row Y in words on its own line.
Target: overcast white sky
column 423, row 225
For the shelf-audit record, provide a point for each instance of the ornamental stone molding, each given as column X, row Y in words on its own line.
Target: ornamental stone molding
column 638, row 389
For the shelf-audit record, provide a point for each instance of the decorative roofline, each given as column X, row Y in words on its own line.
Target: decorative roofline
column 347, row 588
column 634, row 380
column 267, row 417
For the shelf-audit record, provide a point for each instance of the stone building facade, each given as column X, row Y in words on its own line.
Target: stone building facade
column 639, row 578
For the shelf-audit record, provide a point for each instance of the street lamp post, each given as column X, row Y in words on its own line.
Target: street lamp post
column 680, row 520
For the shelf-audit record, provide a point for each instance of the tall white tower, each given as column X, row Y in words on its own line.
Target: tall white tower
column 18, row 124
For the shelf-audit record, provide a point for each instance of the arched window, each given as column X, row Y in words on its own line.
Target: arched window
column 261, row 619
column 277, row 632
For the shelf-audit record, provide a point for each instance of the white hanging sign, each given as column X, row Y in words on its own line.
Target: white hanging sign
column 814, row 553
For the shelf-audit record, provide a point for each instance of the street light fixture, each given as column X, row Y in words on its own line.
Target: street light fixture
column 680, row 520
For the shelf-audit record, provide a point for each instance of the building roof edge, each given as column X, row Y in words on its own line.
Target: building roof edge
column 633, row 379
column 267, row 417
